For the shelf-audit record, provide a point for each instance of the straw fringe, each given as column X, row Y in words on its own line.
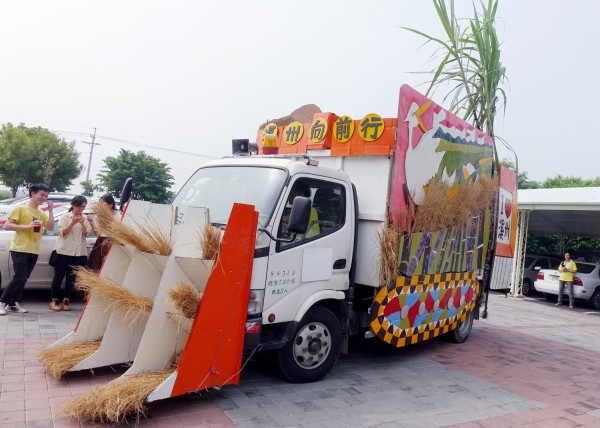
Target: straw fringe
column 443, row 207
column 60, row 360
column 185, row 299
column 115, row 402
column 210, row 241
column 446, row 206
column 123, row 302
column 149, row 238
column 388, row 263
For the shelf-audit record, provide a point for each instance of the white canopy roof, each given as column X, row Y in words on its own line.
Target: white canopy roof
column 566, row 211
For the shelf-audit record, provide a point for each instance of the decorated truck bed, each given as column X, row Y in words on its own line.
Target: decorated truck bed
column 384, row 227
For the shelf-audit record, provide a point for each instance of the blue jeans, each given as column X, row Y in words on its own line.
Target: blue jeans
column 23, row 264
column 561, row 290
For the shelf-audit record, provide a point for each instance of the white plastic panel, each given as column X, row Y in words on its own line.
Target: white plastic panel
column 187, row 235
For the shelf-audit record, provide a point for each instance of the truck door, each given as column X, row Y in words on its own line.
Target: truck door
column 319, row 259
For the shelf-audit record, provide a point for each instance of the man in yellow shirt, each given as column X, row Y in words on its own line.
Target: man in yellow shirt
column 27, row 221
column 567, row 269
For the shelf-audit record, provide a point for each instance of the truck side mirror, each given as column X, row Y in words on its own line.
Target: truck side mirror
column 300, row 215
column 125, row 193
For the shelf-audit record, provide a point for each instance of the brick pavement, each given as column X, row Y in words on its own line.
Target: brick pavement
column 529, row 364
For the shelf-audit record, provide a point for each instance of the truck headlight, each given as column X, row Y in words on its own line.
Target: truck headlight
column 255, row 302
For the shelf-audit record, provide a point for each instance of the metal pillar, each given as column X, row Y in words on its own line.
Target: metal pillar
column 516, row 281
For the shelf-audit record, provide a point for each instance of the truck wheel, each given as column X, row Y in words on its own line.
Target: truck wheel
column 461, row 333
column 526, row 287
column 595, row 300
column 314, row 347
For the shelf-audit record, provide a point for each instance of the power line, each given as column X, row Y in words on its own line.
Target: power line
column 133, row 143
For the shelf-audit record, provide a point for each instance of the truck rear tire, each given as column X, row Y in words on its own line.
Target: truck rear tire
column 314, row 347
column 462, row 331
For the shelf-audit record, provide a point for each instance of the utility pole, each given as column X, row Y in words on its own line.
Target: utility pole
column 92, row 144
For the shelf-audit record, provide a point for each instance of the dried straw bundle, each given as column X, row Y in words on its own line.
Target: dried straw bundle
column 210, row 241
column 104, row 215
column 150, row 238
column 434, row 212
column 388, row 263
column 60, row 359
column 123, row 302
column 113, row 403
column 444, row 206
column 185, row 299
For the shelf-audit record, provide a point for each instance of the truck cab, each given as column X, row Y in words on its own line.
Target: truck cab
column 299, row 283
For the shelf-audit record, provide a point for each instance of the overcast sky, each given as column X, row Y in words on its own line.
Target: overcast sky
column 188, row 76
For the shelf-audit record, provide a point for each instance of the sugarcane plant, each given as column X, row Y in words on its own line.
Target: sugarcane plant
column 470, row 64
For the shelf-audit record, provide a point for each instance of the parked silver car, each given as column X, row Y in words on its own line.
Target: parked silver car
column 7, row 205
column 42, row 275
column 586, row 283
column 533, row 264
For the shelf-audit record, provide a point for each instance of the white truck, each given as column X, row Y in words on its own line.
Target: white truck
column 316, row 274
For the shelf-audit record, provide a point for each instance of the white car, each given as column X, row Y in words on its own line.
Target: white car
column 586, row 283
column 42, row 274
column 7, row 206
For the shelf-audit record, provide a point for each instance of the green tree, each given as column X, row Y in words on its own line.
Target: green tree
column 561, row 182
column 36, row 155
column 151, row 177
column 523, row 182
column 88, row 188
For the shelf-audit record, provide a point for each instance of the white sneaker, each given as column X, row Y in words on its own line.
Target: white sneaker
column 2, row 308
column 17, row 308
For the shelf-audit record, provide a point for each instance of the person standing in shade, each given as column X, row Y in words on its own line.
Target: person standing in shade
column 71, row 251
column 27, row 221
column 567, row 269
column 101, row 247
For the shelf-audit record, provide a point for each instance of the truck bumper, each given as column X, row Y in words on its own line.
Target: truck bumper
column 273, row 336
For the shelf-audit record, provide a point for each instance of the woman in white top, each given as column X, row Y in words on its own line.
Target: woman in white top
column 71, row 251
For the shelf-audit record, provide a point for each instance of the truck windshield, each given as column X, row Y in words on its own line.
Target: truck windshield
column 218, row 188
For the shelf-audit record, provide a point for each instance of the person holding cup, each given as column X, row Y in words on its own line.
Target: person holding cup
column 69, row 252
column 26, row 221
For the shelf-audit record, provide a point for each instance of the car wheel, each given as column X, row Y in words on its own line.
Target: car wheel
column 526, row 287
column 314, row 348
column 595, row 300
column 462, row 331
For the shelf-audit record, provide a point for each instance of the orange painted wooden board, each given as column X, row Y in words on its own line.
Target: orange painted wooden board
column 213, row 353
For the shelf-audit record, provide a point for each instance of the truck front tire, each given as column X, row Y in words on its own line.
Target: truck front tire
column 313, row 348
column 462, row 331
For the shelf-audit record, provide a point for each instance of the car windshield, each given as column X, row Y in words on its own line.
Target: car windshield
column 218, row 188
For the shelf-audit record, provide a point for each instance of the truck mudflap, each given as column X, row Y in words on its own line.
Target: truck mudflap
column 421, row 307
column 192, row 354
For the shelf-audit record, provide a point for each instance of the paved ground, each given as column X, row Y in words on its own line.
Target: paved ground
column 529, row 364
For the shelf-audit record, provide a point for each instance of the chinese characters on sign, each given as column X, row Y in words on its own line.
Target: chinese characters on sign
column 279, row 281
column 269, row 137
column 318, row 130
column 371, row 127
column 293, row 132
column 504, row 218
column 343, row 129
